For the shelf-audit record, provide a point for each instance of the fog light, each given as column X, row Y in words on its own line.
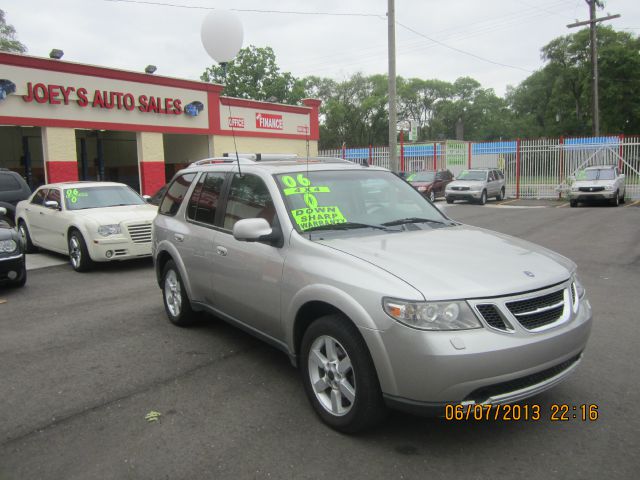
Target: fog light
column 109, row 253
column 12, row 275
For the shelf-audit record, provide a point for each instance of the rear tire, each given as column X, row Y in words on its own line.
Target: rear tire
column 29, row 247
column 339, row 377
column 501, row 196
column 175, row 298
column 573, row 203
column 449, row 200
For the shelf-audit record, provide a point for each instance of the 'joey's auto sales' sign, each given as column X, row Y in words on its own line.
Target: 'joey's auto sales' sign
column 59, row 94
column 48, row 96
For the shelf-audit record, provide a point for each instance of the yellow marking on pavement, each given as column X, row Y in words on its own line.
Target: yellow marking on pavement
column 634, row 203
column 508, row 201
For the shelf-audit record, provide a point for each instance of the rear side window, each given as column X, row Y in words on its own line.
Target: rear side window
column 204, row 200
column 175, row 194
column 38, row 198
column 8, row 183
column 248, row 198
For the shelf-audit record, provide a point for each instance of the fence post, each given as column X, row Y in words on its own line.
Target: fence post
column 435, row 157
column 344, row 151
column 402, row 150
column 370, row 156
column 518, row 168
column 469, row 156
column 620, row 151
column 561, row 165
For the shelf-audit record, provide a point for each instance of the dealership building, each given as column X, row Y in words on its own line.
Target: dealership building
column 63, row 121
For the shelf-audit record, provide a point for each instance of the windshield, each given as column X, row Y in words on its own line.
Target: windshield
column 472, row 175
column 353, row 200
column 100, row 197
column 598, row 174
column 421, row 177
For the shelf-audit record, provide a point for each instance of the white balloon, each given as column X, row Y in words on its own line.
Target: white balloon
column 221, row 35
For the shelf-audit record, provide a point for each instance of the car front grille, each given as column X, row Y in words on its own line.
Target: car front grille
column 492, row 316
column 140, row 232
column 459, row 188
column 591, row 189
column 537, row 312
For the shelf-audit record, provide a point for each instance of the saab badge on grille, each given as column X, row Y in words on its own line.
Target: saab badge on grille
column 529, row 274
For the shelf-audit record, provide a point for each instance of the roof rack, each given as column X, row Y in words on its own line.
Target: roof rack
column 262, row 157
column 252, row 158
column 218, row 160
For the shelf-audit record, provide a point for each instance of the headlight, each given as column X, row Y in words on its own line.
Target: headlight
column 432, row 315
column 422, row 189
column 578, row 292
column 8, row 246
column 106, row 230
column 608, row 187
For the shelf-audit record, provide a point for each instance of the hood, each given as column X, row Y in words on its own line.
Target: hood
column 126, row 213
column 421, row 184
column 459, row 262
column 465, row 183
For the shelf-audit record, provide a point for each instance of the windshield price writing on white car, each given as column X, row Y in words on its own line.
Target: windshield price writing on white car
column 100, row 197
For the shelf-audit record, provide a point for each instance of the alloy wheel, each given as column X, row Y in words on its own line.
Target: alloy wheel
column 331, row 375
column 75, row 252
column 173, row 293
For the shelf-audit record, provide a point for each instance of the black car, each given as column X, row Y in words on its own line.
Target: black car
column 13, row 269
column 13, row 189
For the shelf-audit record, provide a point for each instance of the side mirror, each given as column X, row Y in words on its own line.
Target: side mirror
column 146, row 198
column 256, row 230
column 52, row 204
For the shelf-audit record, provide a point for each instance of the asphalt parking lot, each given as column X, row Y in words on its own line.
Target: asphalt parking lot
column 84, row 357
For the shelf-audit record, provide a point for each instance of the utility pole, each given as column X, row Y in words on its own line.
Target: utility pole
column 393, row 115
column 594, row 57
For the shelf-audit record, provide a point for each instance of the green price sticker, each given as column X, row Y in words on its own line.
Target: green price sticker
column 73, row 194
column 307, row 218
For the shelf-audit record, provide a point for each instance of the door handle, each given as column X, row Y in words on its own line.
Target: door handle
column 221, row 251
column 179, row 237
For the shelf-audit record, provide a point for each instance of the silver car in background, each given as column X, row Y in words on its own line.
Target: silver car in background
column 477, row 185
column 604, row 182
column 378, row 298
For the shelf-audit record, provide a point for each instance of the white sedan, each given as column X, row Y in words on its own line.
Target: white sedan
column 89, row 221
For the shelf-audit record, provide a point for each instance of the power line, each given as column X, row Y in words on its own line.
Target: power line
column 253, row 10
column 464, row 52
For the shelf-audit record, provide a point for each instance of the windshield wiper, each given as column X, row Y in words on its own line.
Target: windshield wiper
column 404, row 221
column 347, row 226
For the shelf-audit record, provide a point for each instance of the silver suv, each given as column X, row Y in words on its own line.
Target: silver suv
column 602, row 182
column 376, row 296
column 477, row 185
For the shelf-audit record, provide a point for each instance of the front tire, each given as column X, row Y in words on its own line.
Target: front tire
column 29, row 247
column 449, row 200
column 78, row 253
column 339, row 377
column 483, row 198
column 432, row 196
column 615, row 201
column 176, row 302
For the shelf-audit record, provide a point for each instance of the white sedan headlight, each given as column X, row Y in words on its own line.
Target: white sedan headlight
column 453, row 315
column 8, row 246
column 108, row 230
column 608, row 187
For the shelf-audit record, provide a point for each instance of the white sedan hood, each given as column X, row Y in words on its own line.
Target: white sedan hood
column 123, row 214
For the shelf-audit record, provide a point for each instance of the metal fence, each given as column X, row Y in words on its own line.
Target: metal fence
column 539, row 168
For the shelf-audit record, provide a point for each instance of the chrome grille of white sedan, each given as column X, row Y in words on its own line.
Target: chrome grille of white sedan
column 140, row 232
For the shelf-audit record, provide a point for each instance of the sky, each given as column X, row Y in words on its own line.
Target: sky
column 497, row 42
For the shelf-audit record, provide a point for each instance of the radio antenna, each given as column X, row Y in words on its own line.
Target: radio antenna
column 230, row 121
column 307, row 153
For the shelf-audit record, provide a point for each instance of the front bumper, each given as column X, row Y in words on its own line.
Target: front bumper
column 424, row 371
column 587, row 196
column 463, row 194
column 12, row 266
column 109, row 249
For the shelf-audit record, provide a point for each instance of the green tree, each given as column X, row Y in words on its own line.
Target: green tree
column 8, row 42
column 556, row 100
column 254, row 74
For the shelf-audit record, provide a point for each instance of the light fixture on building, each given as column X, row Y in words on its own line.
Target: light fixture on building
column 56, row 53
column 150, row 69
